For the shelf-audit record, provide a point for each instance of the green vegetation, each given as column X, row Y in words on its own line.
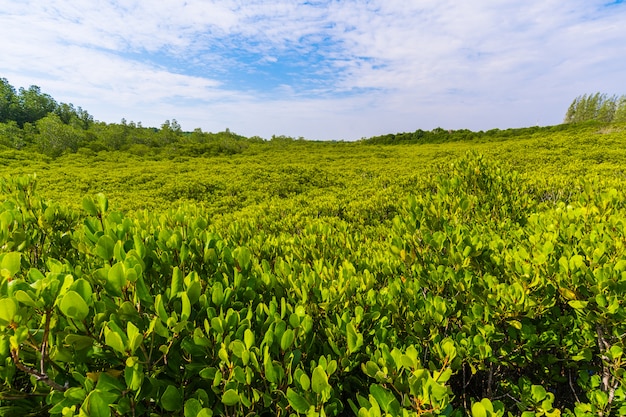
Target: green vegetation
column 600, row 107
column 216, row 275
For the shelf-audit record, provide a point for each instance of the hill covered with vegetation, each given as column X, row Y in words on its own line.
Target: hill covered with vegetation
column 150, row 271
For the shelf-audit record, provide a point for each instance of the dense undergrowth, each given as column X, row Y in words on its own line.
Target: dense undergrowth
column 470, row 278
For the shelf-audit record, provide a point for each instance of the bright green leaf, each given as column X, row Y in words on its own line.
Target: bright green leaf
column 114, row 340
column 89, row 206
column 10, row 264
column 231, row 397
column 478, row 410
column 104, row 247
column 116, row 279
column 73, row 306
column 8, row 310
column 578, row 304
column 287, row 339
column 319, row 380
column 297, row 401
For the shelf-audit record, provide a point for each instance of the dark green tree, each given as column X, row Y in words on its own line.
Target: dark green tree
column 32, row 105
column 7, row 100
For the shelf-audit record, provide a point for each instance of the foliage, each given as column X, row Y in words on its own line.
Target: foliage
column 599, row 107
column 32, row 120
column 481, row 274
column 472, row 295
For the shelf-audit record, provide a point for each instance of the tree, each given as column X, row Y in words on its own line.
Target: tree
column 7, row 98
column 55, row 137
column 170, row 132
column 620, row 110
column 588, row 107
column 32, row 105
column 11, row 135
column 606, row 112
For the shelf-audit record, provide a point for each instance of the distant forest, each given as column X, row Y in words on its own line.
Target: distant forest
column 32, row 120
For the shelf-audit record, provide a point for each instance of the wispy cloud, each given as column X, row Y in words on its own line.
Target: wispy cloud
column 320, row 69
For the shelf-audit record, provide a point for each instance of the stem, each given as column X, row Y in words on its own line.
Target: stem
column 571, row 385
column 44, row 344
column 41, row 376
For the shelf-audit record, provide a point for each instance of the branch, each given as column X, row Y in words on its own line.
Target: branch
column 40, row 376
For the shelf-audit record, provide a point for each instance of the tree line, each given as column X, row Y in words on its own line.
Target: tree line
column 597, row 107
column 32, row 120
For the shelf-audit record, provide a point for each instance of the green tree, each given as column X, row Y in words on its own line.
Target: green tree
column 7, row 98
column 55, row 137
column 11, row 135
column 620, row 110
column 588, row 107
column 170, row 132
column 606, row 111
column 32, row 105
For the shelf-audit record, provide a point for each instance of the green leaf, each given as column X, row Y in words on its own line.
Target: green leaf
column 538, row 393
column 385, row 399
column 270, row 372
column 577, row 304
column 89, row 206
column 98, row 403
column 10, row 264
column 8, row 310
column 231, row 397
column 287, row 339
column 297, row 401
column 615, row 352
column 104, row 247
column 171, row 400
column 319, row 380
column 116, row 279
column 133, row 376
column 248, row 338
column 134, row 337
column 142, row 291
column 160, row 308
column 194, row 291
column 478, row 410
column 73, row 306
column 186, row 307
column 370, row 369
column 76, row 394
column 294, row 320
column 355, row 339
column 243, row 257
column 103, row 203
column 192, row 407
column 516, row 323
column 217, row 294
column 83, row 288
column 24, row 298
column 79, row 342
column 114, row 340
column 177, row 282
column 305, row 381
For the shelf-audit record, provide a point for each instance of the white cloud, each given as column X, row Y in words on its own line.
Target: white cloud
column 368, row 67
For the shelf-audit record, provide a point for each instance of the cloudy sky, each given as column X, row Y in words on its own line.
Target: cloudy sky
column 321, row 69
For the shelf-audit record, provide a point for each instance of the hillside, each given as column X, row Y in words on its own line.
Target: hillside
column 441, row 273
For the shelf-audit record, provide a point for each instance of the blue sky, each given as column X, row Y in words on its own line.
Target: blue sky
column 320, row 69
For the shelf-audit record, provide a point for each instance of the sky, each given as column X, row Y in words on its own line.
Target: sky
column 318, row 69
